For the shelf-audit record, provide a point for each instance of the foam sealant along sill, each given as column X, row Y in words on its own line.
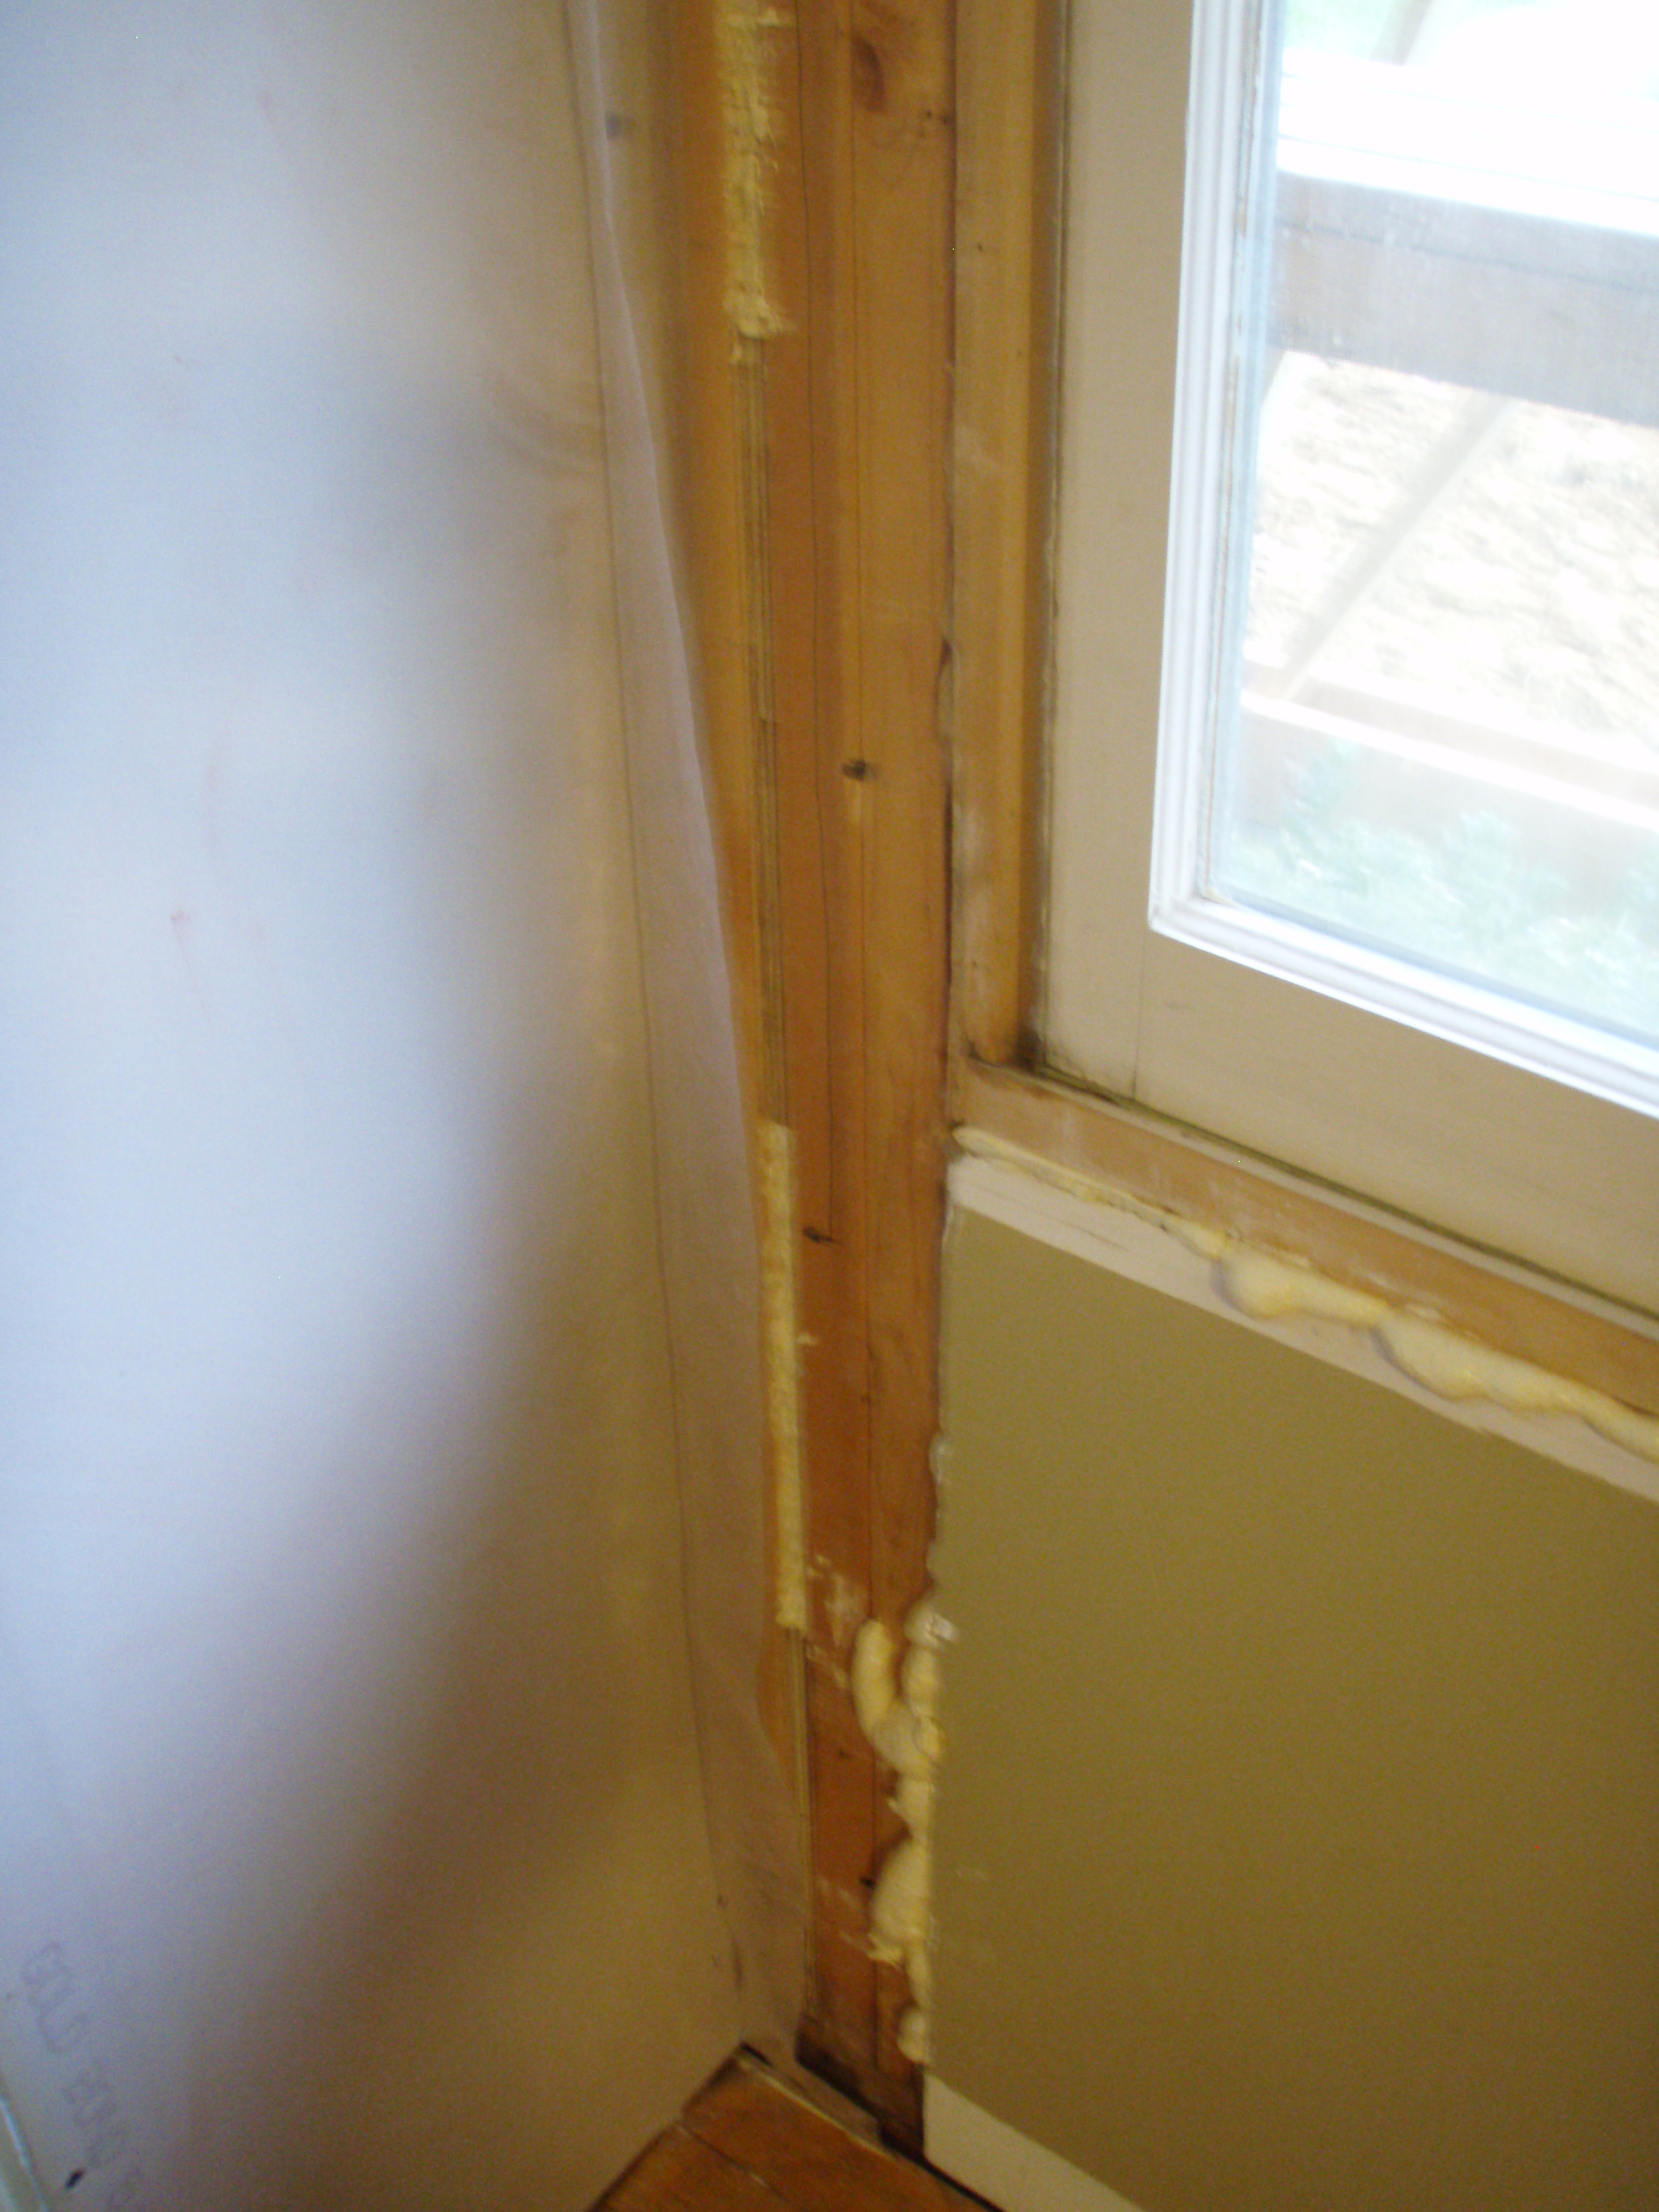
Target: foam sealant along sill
column 1406, row 1350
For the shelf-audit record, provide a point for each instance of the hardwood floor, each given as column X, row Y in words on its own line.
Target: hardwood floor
column 748, row 2144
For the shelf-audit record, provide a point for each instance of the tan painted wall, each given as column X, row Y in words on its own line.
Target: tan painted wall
column 1298, row 1839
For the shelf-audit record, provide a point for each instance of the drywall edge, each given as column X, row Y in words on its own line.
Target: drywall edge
column 1449, row 1375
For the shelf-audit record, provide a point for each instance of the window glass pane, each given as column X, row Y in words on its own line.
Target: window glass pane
column 1448, row 743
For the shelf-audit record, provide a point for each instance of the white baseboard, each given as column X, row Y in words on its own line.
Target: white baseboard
column 999, row 2164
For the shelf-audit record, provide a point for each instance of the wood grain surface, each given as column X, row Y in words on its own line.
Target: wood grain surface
column 1008, row 68
column 747, row 2144
column 814, row 457
column 1497, row 1303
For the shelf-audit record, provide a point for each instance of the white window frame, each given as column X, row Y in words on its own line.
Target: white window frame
column 1514, row 1160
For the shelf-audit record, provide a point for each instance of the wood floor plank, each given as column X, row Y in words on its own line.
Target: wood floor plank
column 805, row 2160
column 680, row 2172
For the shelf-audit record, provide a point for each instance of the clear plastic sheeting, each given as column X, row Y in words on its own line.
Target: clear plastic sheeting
column 384, row 1811
column 710, row 1268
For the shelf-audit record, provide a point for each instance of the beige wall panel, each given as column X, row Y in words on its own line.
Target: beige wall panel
column 1299, row 1842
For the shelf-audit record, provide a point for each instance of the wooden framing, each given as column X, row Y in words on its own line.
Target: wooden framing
column 1008, row 69
column 1159, row 1164
column 833, row 153
column 818, row 160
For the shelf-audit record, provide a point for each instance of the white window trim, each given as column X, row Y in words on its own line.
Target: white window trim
column 1500, row 1155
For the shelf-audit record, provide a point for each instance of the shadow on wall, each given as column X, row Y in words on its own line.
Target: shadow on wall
column 340, row 1588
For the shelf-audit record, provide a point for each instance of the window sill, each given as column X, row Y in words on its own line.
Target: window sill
column 1510, row 1308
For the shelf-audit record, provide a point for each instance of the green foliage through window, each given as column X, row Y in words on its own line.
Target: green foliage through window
column 1466, row 897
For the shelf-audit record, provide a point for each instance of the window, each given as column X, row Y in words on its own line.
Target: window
column 1380, row 560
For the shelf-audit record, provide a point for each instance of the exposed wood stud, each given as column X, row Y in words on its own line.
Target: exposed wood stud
column 1006, row 280
column 818, row 451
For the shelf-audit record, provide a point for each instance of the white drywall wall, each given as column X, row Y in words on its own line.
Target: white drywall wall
column 346, row 1740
